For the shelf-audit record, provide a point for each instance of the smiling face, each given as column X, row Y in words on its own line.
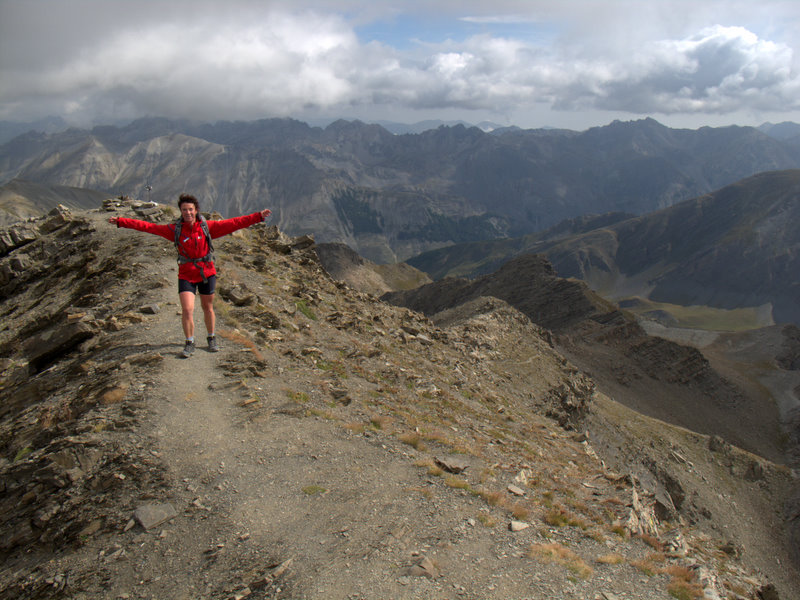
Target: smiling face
column 188, row 212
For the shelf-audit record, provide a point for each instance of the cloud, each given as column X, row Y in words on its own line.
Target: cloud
column 263, row 60
column 718, row 70
column 501, row 19
column 203, row 68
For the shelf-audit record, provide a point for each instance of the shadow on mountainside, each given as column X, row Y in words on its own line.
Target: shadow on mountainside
column 655, row 376
column 337, row 446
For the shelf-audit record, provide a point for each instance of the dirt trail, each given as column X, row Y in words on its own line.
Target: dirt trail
column 260, row 484
column 337, row 447
column 259, row 489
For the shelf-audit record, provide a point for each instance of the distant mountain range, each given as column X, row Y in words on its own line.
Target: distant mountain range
column 11, row 129
column 736, row 247
column 390, row 197
column 782, row 131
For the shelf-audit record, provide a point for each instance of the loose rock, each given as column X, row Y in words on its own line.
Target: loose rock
column 153, row 515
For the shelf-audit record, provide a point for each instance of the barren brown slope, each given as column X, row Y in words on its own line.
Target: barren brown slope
column 337, row 447
column 344, row 264
column 657, row 377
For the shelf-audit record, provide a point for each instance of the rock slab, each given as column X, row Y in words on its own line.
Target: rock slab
column 153, row 515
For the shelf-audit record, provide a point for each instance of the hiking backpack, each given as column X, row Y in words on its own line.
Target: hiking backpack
column 185, row 259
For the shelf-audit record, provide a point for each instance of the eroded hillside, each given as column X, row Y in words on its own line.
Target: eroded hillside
column 337, row 447
column 663, row 379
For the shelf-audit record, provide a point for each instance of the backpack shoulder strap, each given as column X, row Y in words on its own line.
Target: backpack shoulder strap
column 206, row 232
column 178, row 223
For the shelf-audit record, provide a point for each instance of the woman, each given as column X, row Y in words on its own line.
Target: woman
column 192, row 235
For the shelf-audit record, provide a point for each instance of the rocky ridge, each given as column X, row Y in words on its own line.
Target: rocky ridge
column 658, row 377
column 337, row 447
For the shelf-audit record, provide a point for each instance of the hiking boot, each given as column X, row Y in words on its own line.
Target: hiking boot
column 212, row 343
column 188, row 349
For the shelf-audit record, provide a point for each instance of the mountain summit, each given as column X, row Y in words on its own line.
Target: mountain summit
column 337, row 446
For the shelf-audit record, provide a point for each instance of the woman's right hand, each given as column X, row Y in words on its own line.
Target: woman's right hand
column 113, row 220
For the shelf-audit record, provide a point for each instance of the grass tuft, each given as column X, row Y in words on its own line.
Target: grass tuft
column 520, row 512
column 619, row 530
column 649, row 565
column 426, row 493
column 563, row 556
column 684, row 590
column 234, row 336
column 487, row 520
column 305, row 309
column 356, row 427
column 299, row 397
column 432, row 467
column 611, row 559
column 381, row 421
column 493, row 498
column 412, row 439
column 559, row 517
column 323, row 414
column 456, row 482
column 22, row 453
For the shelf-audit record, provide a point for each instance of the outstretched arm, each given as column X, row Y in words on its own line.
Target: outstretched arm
column 165, row 231
column 226, row 226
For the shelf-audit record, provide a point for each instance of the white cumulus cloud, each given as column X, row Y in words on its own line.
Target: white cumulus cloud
column 267, row 59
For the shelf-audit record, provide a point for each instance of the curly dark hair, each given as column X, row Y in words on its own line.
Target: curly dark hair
column 184, row 198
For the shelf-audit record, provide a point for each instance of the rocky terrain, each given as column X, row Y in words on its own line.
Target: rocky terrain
column 658, row 377
column 338, row 446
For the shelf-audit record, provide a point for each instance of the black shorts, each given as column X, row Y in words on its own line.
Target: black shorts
column 204, row 288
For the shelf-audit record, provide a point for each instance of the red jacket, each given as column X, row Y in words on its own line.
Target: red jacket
column 193, row 241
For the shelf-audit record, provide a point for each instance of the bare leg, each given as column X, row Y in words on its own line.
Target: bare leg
column 207, row 302
column 187, row 313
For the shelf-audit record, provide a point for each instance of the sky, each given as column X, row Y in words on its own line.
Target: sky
column 531, row 63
